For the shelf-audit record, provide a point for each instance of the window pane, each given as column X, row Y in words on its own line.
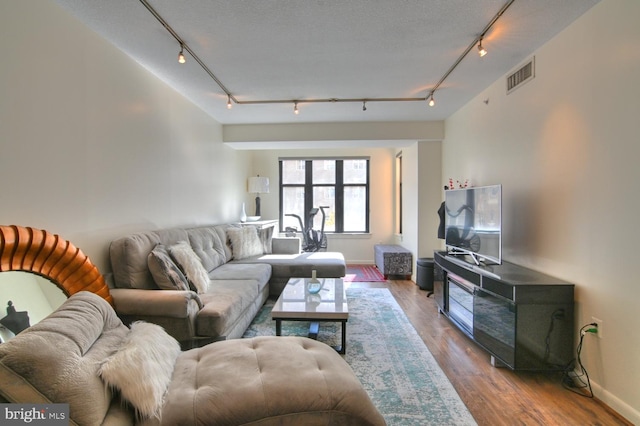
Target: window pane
column 325, row 196
column 355, row 206
column 293, row 171
column 324, row 171
column 293, row 203
column 355, row 171
column 319, row 186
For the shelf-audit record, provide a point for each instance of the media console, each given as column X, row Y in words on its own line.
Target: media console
column 522, row 317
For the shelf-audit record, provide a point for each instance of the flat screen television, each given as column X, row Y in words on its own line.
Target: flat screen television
column 473, row 223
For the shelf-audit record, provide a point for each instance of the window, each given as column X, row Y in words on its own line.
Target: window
column 341, row 186
column 398, row 197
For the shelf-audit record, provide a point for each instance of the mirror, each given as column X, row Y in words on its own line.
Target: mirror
column 28, row 293
column 50, row 258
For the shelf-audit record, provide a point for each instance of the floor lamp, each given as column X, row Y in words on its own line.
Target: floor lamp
column 258, row 185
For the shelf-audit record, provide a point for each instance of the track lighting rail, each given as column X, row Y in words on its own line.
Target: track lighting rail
column 186, row 47
column 471, row 46
column 429, row 97
column 328, row 100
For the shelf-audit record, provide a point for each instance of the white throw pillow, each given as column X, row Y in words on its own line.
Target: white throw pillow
column 245, row 242
column 141, row 369
column 191, row 265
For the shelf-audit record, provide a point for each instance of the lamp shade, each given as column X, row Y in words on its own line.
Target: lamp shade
column 259, row 185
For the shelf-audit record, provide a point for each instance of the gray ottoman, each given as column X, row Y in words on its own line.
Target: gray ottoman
column 267, row 381
column 392, row 259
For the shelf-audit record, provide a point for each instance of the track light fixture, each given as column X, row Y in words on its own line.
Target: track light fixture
column 481, row 50
column 181, row 58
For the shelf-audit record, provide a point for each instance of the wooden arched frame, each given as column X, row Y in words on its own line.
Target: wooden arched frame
column 50, row 256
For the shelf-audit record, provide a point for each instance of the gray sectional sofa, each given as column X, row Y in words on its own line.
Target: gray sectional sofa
column 224, row 275
column 108, row 374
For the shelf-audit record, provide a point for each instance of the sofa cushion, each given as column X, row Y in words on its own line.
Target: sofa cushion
column 191, row 265
column 141, row 368
column 58, row 358
column 221, row 230
column 327, row 264
column 225, row 303
column 165, row 272
column 245, row 242
column 235, row 271
column 206, row 243
column 129, row 256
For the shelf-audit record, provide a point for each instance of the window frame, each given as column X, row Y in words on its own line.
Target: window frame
column 338, row 185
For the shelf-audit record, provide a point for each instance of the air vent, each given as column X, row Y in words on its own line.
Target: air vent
column 522, row 75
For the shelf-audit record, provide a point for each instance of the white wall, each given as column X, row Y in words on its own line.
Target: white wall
column 565, row 148
column 332, row 135
column 430, row 194
column 421, row 198
column 93, row 146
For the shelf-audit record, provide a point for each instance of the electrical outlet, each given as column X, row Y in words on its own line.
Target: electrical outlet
column 599, row 326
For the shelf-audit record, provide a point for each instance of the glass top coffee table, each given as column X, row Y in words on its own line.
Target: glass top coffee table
column 296, row 303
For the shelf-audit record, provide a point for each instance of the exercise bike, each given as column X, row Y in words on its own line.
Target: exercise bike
column 312, row 240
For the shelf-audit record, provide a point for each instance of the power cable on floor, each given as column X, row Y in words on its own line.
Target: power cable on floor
column 578, row 381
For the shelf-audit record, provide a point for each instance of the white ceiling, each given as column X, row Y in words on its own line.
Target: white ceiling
column 302, row 49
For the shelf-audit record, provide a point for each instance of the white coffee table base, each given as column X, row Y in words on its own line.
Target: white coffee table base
column 313, row 330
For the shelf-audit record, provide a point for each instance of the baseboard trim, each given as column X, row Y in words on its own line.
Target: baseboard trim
column 616, row 404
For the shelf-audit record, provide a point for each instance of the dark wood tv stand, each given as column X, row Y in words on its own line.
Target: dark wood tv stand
column 523, row 318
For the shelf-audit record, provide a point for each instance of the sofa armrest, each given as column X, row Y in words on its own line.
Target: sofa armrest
column 165, row 303
column 285, row 245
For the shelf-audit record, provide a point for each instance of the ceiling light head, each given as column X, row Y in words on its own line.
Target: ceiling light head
column 481, row 50
column 432, row 101
column 181, row 58
column 295, row 108
column 229, row 104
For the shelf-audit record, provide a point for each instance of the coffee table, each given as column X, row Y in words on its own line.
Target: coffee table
column 328, row 305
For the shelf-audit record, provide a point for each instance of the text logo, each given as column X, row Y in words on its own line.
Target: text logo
column 34, row 414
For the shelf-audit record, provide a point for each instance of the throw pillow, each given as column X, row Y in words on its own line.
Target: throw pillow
column 244, row 242
column 141, row 369
column 266, row 236
column 164, row 271
column 191, row 265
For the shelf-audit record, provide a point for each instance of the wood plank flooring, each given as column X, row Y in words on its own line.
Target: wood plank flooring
column 494, row 396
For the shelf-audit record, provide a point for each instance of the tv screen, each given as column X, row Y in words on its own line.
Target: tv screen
column 473, row 223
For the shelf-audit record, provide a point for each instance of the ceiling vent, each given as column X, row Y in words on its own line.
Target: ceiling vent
column 522, row 75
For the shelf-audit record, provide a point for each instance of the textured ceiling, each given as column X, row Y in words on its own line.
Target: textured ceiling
column 286, row 50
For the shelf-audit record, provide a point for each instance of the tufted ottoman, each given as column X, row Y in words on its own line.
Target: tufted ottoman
column 266, row 381
column 392, row 259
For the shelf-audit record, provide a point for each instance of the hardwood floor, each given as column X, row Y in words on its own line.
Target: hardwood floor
column 494, row 396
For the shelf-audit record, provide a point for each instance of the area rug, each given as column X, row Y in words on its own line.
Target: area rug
column 363, row 273
column 388, row 356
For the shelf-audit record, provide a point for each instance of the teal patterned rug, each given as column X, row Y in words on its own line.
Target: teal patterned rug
column 388, row 356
